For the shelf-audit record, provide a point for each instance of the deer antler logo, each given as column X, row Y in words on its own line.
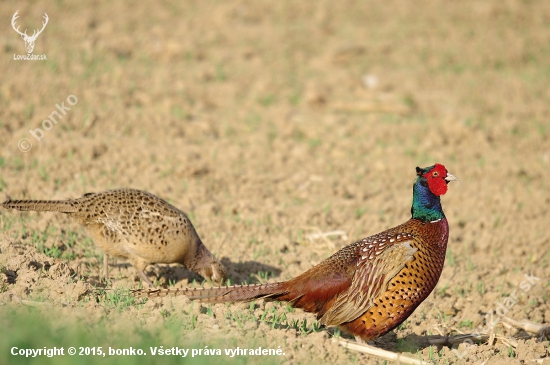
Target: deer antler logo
column 29, row 41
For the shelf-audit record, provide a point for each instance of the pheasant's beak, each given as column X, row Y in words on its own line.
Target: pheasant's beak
column 451, row 177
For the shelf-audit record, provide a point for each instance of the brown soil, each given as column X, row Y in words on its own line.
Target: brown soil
column 271, row 122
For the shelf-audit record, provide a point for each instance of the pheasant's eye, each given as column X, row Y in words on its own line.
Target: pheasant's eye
column 435, row 174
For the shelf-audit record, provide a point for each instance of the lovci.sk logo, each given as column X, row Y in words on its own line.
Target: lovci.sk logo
column 29, row 40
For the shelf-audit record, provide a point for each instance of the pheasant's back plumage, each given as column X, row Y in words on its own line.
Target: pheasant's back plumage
column 137, row 223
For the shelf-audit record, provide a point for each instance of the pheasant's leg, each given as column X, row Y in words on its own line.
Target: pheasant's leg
column 146, row 279
column 105, row 267
column 359, row 339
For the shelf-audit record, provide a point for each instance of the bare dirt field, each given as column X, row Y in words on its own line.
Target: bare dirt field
column 271, row 123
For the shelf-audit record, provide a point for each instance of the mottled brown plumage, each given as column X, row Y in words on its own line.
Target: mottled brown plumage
column 137, row 226
column 371, row 286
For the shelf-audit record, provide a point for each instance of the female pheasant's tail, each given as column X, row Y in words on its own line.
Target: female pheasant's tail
column 63, row 206
column 235, row 293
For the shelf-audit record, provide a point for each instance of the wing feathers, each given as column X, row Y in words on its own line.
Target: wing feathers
column 370, row 280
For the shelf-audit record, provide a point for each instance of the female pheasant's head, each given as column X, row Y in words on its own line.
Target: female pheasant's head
column 430, row 184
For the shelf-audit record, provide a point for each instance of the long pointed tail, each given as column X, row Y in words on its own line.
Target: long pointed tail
column 63, row 206
column 236, row 293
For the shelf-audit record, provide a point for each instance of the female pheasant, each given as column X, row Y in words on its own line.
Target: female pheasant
column 371, row 286
column 135, row 225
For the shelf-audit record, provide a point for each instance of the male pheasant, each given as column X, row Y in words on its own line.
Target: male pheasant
column 137, row 226
column 371, row 286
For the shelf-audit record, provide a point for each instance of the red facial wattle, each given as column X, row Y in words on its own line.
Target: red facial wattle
column 436, row 179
